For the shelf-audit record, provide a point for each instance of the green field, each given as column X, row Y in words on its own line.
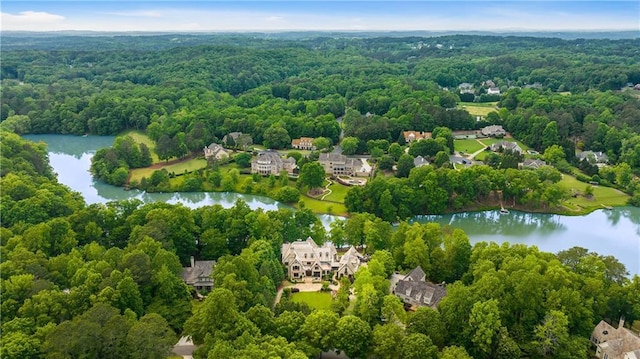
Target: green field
column 140, row 137
column 177, row 168
column 338, row 192
column 318, row 206
column 467, row 146
column 601, row 196
column 478, row 109
column 315, row 300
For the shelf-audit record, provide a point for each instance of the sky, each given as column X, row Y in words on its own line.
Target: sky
column 336, row 15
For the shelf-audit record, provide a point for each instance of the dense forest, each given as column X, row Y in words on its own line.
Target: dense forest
column 102, row 280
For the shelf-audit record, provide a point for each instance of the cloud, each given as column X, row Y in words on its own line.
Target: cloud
column 141, row 13
column 30, row 20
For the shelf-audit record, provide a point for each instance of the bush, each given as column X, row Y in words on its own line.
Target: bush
column 287, row 194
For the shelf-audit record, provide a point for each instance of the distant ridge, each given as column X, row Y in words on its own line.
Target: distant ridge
column 565, row 35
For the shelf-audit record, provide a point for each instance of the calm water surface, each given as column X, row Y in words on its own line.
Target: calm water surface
column 615, row 232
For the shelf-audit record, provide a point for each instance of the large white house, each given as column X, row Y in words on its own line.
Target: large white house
column 306, row 259
column 269, row 162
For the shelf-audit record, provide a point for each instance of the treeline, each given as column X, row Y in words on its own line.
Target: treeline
column 103, row 280
column 112, row 164
column 428, row 190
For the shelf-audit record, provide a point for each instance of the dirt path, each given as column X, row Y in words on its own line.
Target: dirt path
column 328, row 192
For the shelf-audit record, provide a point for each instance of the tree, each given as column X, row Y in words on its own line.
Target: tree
column 554, row 154
column 552, row 335
column 321, row 143
column 427, row 321
column 311, row 175
column 484, row 323
column 150, row 338
column 405, row 164
column 353, row 336
column 385, row 341
column 455, row 352
column 243, row 160
column 417, row 346
column 349, row 145
column 395, row 150
column 386, row 162
column 318, row 330
column 276, row 137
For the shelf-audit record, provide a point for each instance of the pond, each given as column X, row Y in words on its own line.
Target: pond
column 608, row 232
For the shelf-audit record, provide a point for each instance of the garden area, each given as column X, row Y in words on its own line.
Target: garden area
column 315, row 300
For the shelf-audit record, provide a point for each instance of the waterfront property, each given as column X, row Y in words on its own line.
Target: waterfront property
column 336, row 164
column 414, row 290
column 306, row 259
column 269, row 162
column 198, row 275
column 615, row 343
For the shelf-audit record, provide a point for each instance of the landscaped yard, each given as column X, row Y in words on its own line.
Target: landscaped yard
column 318, row 206
column 315, row 300
column 177, row 168
column 478, row 109
column 467, row 146
column 338, row 193
column 601, row 195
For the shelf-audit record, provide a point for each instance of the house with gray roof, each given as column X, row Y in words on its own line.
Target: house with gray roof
column 416, row 291
column 493, row 131
column 533, row 164
column 349, row 263
column 506, row 146
column 307, row 259
column 215, row 151
column 615, row 343
column 335, row 164
column 593, row 157
column 198, row 275
column 420, row 161
column 269, row 162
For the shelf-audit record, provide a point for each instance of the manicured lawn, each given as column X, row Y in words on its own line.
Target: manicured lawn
column 338, row 193
column 140, row 137
column 467, row 146
column 478, row 109
column 481, row 156
column 601, row 195
column 318, row 206
column 315, row 300
column 177, row 168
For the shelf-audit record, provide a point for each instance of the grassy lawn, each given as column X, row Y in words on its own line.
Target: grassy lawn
column 140, row 137
column 601, row 195
column 478, row 109
column 177, row 168
column 467, row 146
column 315, row 300
column 318, row 206
column 481, row 156
column 338, row 193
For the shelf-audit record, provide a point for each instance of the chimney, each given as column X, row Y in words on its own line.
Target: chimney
column 621, row 324
column 193, row 262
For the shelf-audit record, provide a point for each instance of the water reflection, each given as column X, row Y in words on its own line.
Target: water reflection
column 608, row 232
column 492, row 222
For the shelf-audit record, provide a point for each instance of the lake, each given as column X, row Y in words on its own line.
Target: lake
column 609, row 232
